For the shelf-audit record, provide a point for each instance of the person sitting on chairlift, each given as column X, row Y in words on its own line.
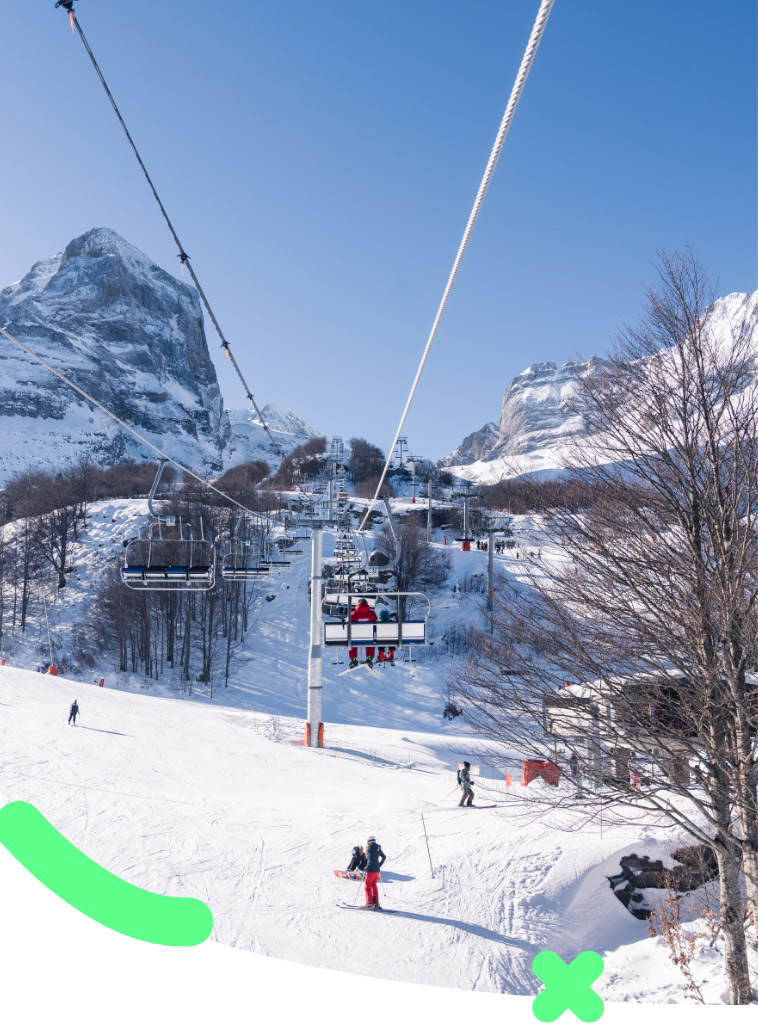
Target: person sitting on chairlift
column 362, row 613
column 386, row 654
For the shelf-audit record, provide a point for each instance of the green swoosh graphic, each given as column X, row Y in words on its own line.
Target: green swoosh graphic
column 96, row 892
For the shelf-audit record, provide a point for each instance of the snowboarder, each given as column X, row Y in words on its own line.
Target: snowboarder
column 375, row 858
column 362, row 613
column 358, row 860
column 465, row 783
column 73, row 713
column 573, row 765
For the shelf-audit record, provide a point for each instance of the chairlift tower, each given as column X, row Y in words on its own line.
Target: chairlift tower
column 466, row 539
column 429, row 510
column 402, row 442
column 314, row 727
column 412, row 465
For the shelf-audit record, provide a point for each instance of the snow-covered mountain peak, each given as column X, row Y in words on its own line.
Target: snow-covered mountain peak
column 535, row 418
column 131, row 335
column 281, row 419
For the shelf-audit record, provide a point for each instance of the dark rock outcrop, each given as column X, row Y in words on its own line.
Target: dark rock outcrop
column 695, row 866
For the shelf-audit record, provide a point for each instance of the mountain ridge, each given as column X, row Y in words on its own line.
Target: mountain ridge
column 536, row 424
column 132, row 336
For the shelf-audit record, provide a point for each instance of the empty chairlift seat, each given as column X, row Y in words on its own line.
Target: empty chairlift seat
column 143, row 568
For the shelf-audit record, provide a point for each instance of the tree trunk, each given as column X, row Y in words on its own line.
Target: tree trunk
column 735, row 943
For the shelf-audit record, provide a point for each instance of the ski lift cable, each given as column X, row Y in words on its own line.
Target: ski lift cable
column 123, row 424
column 68, row 5
column 518, row 87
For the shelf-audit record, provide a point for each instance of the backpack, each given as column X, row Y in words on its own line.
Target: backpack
column 459, row 777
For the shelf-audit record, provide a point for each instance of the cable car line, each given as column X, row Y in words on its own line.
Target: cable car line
column 68, row 5
column 518, row 87
column 123, row 424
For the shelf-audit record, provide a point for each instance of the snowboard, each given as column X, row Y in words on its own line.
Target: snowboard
column 348, row 875
column 480, row 807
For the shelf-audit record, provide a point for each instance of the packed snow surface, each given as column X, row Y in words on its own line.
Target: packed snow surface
column 216, row 798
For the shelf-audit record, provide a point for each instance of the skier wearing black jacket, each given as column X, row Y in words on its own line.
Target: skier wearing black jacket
column 358, row 860
column 375, row 858
column 73, row 713
column 465, row 783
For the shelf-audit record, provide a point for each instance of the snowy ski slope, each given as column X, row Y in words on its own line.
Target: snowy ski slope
column 216, row 799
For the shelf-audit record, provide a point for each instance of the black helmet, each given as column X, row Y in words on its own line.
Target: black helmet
column 467, row 764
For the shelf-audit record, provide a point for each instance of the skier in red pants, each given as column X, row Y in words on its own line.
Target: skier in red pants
column 362, row 613
column 375, row 858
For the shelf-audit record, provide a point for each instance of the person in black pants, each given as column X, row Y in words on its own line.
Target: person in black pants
column 465, row 783
column 358, row 860
column 73, row 713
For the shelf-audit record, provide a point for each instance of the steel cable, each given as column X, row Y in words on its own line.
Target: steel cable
column 518, row 87
column 123, row 424
column 183, row 256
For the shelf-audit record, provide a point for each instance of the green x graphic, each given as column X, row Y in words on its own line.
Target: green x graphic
column 567, row 986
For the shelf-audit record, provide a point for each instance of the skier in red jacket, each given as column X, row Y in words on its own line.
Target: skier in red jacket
column 362, row 613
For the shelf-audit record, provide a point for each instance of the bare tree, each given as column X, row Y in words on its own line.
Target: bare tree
column 654, row 609
column 417, row 566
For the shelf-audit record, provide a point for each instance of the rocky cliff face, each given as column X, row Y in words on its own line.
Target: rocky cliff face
column 535, row 421
column 535, row 408
column 131, row 336
column 474, row 447
column 127, row 333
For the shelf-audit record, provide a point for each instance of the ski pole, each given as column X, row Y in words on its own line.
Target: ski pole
column 427, row 846
column 355, row 898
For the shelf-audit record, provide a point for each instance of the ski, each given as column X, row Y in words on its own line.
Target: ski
column 479, row 807
column 363, row 907
column 357, row 668
column 348, row 875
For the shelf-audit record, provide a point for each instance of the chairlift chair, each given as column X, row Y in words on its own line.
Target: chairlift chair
column 246, row 556
column 244, row 561
column 170, row 557
column 410, row 632
column 175, row 562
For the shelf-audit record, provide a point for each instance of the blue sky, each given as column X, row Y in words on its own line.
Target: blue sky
column 320, row 160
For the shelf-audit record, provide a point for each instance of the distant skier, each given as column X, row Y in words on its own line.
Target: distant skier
column 375, row 858
column 73, row 713
column 362, row 613
column 358, row 860
column 465, row 783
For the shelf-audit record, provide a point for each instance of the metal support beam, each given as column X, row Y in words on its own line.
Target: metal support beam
column 314, row 655
column 391, row 521
column 429, row 512
column 490, row 568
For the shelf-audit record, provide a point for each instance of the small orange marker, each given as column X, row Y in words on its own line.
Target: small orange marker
column 71, row 17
